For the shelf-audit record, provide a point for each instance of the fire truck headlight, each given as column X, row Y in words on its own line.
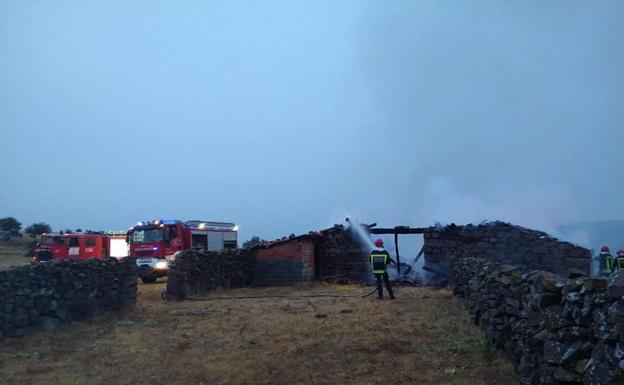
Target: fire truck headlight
column 161, row 265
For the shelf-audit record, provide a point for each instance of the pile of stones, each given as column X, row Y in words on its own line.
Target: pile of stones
column 194, row 272
column 45, row 295
column 559, row 331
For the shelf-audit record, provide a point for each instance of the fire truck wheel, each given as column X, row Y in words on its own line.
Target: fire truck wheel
column 148, row 279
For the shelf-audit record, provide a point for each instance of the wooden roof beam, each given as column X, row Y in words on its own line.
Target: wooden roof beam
column 400, row 230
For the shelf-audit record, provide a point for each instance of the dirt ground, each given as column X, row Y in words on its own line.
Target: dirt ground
column 423, row 337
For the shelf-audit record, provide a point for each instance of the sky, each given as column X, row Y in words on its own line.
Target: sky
column 288, row 116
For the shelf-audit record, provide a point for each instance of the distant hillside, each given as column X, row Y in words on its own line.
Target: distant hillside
column 595, row 234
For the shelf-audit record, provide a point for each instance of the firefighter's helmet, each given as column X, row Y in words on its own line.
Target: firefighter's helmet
column 605, row 249
column 379, row 243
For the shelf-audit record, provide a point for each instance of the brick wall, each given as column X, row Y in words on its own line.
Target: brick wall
column 285, row 262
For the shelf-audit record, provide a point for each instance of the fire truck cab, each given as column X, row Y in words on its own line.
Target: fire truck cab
column 155, row 243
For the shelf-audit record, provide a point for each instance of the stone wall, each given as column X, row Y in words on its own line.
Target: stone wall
column 558, row 331
column 506, row 243
column 45, row 295
column 341, row 256
column 193, row 272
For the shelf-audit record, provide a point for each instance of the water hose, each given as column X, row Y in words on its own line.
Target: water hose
column 165, row 296
column 371, row 293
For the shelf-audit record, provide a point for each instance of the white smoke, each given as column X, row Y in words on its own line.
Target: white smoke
column 545, row 207
column 361, row 233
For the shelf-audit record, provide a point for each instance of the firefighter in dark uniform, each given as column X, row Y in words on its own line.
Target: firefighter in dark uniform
column 606, row 261
column 379, row 259
column 619, row 260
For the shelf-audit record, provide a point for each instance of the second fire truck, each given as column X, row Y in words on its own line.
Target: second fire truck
column 155, row 243
column 89, row 245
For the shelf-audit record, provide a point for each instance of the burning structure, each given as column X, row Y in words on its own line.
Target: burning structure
column 341, row 253
column 330, row 254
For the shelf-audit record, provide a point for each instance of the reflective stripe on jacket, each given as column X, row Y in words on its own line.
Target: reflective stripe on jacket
column 607, row 264
column 619, row 263
column 379, row 261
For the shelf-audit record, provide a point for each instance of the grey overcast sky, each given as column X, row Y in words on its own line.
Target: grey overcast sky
column 286, row 116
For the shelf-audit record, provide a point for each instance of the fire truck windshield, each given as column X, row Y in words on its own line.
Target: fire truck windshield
column 48, row 240
column 147, row 235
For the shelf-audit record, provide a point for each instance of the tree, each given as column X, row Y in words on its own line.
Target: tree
column 254, row 241
column 38, row 229
column 10, row 224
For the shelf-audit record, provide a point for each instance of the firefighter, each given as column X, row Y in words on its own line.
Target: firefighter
column 380, row 258
column 606, row 261
column 619, row 260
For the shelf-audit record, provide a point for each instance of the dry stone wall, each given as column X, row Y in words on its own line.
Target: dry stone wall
column 193, row 272
column 505, row 243
column 46, row 295
column 341, row 256
column 559, row 331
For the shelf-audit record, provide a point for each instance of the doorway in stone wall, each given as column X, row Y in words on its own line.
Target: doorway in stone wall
column 405, row 245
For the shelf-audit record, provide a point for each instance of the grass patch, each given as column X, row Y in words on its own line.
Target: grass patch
column 16, row 252
column 421, row 338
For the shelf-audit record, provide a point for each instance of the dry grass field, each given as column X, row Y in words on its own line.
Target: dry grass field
column 12, row 252
column 424, row 337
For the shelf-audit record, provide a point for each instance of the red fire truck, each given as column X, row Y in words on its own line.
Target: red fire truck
column 155, row 243
column 55, row 246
